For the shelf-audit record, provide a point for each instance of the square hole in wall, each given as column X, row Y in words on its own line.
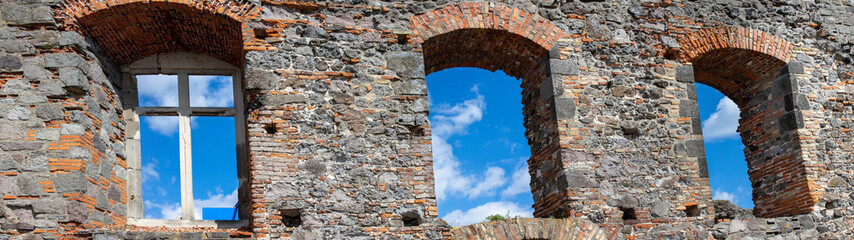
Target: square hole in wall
column 692, row 211
column 291, row 217
column 628, row 214
column 411, row 219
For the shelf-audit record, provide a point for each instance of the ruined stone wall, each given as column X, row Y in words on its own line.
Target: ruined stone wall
column 337, row 114
column 62, row 146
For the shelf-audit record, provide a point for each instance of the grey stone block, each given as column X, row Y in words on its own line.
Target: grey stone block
column 704, row 167
column 31, row 98
column 695, row 148
column 77, row 212
column 49, row 206
column 35, row 164
column 10, row 131
column 793, row 67
column 564, row 108
column 34, row 72
column 796, row 101
column 736, row 226
column 71, row 38
column 9, row 62
column 16, row 14
column 784, row 85
column 42, row 15
column 8, row 164
column 72, row 182
column 15, row 87
column 18, row 113
column 564, row 67
column 661, row 209
column 790, row 121
column 260, row 79
column 7, row 186
column 548, row 89
column 63, row 60
column 689, row 109
column 101, row 201
column 282, row 99
column 72, row 129
column 28, row 185
column 696, row 125
column 314, row 32
column 18, row 146
column 685, row 74
column 51, row 88
column 50, row 134
column 627, row 201
column 50, row 112
column 575, row 179
column 757, row 224
column 74, row 79
column 407, row 65
column 46, row 39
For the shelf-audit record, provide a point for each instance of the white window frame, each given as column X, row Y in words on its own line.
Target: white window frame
column 183, row 65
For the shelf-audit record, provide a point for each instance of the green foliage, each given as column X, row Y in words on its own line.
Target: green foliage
column 499, row 217
column 495, row 217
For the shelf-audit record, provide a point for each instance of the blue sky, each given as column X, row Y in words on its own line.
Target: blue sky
column 479, row 147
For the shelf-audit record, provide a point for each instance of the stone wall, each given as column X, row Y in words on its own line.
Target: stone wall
column 337, row 113
column 63, row 156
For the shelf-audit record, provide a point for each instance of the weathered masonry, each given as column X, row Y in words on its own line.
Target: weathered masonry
column 334, row 137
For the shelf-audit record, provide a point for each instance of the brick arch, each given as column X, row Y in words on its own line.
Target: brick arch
column 501, row 38
column 752, row 68
column 702, row 41
column 730, row 58
column 534, row 228
column 485, row 15
column 130, row 30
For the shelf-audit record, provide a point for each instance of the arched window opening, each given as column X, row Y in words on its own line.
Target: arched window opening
column 480, row 152
column 494, row 36
column 763, row 86
column 728, row 177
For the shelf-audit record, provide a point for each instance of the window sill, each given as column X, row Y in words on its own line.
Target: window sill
column 216, row 224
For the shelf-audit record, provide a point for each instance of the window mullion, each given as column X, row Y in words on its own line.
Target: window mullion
column 187, row 208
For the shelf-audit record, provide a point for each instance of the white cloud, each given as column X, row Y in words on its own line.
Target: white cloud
column 718, row 194
column 479, row 213
column 492, row 180
column 218, row 200
column 734, row 197
column 448, row 177
column 167, row 211
column 157, row 90
column 149, row 172
column 166, row 125
column 454, row 120
column 449, row 121
column 722, row 124
column 520, row 182
column 211, row 91
column 173, row 211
